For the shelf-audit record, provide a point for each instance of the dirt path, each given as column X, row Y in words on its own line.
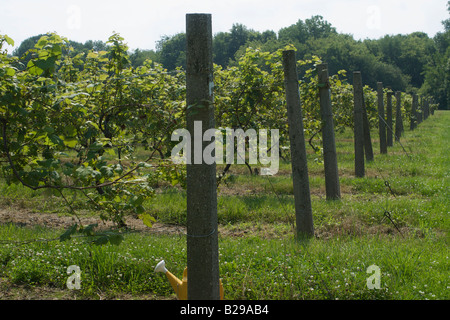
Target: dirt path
column 29, row 218
column 26, row 217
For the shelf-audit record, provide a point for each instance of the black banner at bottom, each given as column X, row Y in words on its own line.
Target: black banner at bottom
column 217, row 309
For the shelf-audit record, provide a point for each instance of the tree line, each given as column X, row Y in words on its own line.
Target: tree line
column 413, row 63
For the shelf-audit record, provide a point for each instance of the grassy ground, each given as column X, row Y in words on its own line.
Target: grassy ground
column 395, row 218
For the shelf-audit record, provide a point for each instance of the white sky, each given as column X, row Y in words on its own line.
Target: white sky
column 143, row 22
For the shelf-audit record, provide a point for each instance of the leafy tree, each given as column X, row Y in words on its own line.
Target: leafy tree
column 26, row 45
column 23, row 50
column 296, row 32
column 342, row 52
column 446, row 22
column 409, row 52
column 319, row 28
column 316, row 36
column 97, row 45
column 398, row 61
column 69, row 128
column 437, row 71
column 138, row 57
column 221, row 50
column 227, row 44
column 172, row 51
column 314, row 28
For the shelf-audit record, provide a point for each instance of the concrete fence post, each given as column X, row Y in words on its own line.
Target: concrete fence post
column 398, row 116
column 390, row 128
column 332, row 186
column 381, row 119
column 358, row 124
column 420, row 111
column 368, row 150
column 302, row 195
column 202, row 237
column 413, row 123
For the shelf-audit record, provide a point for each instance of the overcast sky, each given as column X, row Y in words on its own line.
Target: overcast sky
column 143, row 22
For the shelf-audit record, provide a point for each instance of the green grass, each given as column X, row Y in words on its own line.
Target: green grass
column 403, row 232
column 251, row 268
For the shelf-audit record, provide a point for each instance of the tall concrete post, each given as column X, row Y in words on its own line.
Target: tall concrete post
column 332, row 186
column 413, row 122
column 358, row 124
column 368, row 150
column 381, row 119
column 420, row 112
column 302, row 195
column 390, row 128
column 398, row 116
column 202, row 238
